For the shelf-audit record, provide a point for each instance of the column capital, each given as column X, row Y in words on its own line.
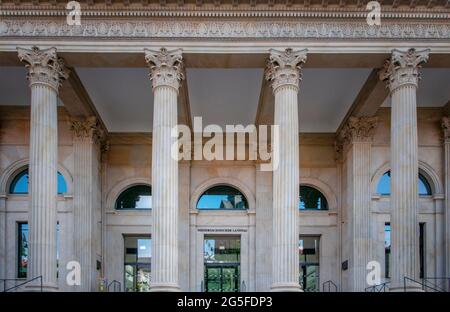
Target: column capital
column 445, row 124
column 44, row 66
column 358, row 130
column 84, row 129
column 403, row 68
column 285, row 67
column 166, row 67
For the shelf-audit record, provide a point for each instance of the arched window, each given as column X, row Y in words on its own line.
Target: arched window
column 384, row 185
column 19, row 184
column 135, row 197
column 312, row 199
column 222, row 197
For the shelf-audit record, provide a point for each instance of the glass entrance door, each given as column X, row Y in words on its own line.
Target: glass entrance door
column 137, row 266
column 222, row 264
column 222, row 278
column 309, row 263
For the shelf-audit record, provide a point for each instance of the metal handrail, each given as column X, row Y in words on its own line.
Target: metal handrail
column 115, row 283
column 330, row 284
column 378, row 288
column 26, row 282
column 423, row 285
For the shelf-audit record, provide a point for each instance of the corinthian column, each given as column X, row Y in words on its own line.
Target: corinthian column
column 166, row 72
column 402, row 75
column 86, row 198
column 45, row 72
column 356, row 138
column 446, row 128
column 284, row 71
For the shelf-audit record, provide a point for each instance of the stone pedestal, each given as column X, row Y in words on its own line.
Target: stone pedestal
column 86, row 199
column 402, row 75
column 284, row 72
column 166, row 72
column 45, row 72
column 356, row 140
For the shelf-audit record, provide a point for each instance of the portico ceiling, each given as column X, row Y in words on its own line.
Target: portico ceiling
column 124, row 100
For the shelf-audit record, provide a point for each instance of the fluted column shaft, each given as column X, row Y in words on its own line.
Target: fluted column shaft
column 283, row 71
column 446, row 128
column 403, row 75
column 356, row 138
column 43, row 183
column 45, row 72
column 86, row 199
column 165, row 73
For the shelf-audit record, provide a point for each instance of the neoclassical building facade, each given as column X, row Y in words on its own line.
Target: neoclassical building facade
column 92, row 197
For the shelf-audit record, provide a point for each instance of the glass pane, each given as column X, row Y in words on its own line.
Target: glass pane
column 136, row 197
column 222, row 250
column 311, row 198
column 20, row 183
column 143, row 278
column 222, row 197
column 130, row 278
column 424, row 186
column 384, row 185
column 22, row 264
column 144, row 250
column 387, row 250
column 62, row 185
column 137, row 264
column 212, row 279
column 309, row 249
column 230, row 279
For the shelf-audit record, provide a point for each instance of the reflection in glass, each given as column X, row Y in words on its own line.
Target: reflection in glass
column 384, row 185
column 308, row 247
column 22, row 256
column 135, row 197
column 387, row 249
column 312, row 199
column 22, row 249
column 137, row 266
column 222, row 197
column 222, row 264
column 19, row 184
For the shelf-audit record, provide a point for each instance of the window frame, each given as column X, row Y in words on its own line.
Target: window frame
column 25, row 172
column 244, row 199
column 128, row 188
column 421, row 177
column 322, row 195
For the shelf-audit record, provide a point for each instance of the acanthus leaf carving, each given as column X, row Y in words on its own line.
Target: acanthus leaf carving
column 166, row 67
column 403, row 68
column 44, row 66
column 284, row 68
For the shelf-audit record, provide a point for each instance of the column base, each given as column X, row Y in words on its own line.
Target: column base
column 285, row 287
column 406, row 289
column 165, row 288
column 46, row 287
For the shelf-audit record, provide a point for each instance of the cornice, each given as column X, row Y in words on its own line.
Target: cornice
column 226, row 11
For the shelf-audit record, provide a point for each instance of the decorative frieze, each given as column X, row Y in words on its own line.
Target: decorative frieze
column 403, row 68
column 44, row 66
column 166, row 67
column 284, row 67
column 214, row 29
